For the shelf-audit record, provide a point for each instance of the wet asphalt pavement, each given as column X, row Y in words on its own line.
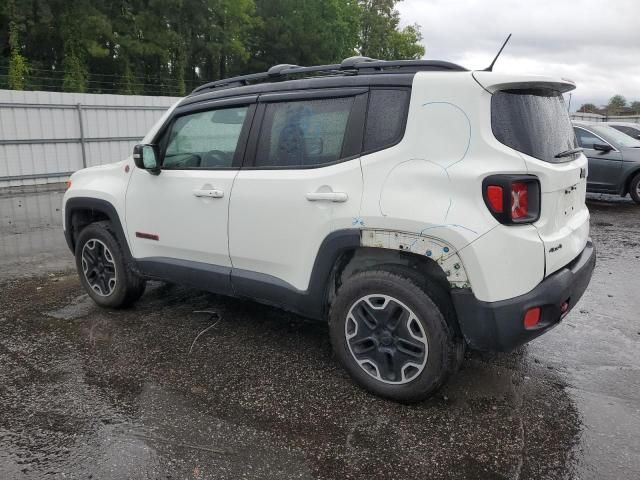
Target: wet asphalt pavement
column 91, row 393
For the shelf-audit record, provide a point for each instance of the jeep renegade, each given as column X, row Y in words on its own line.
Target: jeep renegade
column 416, row 206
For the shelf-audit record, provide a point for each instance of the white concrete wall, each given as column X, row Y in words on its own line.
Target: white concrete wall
column 40, row 132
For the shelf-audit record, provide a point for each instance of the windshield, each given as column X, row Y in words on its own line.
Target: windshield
column 614, row 136
column 534, row 122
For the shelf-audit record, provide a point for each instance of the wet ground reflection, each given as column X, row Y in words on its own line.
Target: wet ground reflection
column 116, row 394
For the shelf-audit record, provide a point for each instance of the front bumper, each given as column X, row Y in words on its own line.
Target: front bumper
column 499, row 326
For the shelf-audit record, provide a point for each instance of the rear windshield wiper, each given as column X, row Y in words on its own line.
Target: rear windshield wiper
column 566, row 153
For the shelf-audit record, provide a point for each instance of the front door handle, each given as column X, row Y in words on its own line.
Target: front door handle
column 327, row 196
column 210, row 193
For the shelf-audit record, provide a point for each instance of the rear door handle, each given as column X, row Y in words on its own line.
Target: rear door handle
column 327, row 196
column 211, row 193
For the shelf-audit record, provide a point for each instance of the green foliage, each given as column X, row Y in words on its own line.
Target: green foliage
column 18, row 68
column 170, row 46
column 380, row 36
column 635, row 107
column 616, row 102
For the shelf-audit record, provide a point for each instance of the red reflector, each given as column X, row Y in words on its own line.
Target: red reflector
column 494, row 196
column 148, row 236
column 519, row 200
column 564, row 308
column 532, row 317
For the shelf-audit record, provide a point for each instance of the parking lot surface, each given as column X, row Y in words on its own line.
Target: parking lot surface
column 193, row 385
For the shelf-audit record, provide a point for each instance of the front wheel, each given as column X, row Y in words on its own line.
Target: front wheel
column 103, row 270
column 634, row 189
column 392, row 337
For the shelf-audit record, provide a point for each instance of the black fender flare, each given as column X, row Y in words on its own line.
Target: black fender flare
column 94, row 205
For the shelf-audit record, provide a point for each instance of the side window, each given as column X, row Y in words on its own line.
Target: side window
column 386, row 118
column 205, row 140
column 303, row 133
column 632, row 132
column 585, row 138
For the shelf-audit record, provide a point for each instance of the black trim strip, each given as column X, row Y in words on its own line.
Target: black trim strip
column 212, row 278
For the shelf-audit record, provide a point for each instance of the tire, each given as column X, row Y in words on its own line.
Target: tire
column 407, row 363
column 103, row 269
column 634, row 188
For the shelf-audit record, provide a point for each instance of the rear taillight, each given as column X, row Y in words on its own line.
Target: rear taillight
column 495, row 198
column 512, row 199
column 519, row 200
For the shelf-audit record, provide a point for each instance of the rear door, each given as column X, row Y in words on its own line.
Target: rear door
column 605, row 168
column 535, row 122
column 301, row 181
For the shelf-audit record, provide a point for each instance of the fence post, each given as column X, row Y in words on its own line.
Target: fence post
column 84, row 153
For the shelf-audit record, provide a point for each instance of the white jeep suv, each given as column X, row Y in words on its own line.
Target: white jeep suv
column 416, row 206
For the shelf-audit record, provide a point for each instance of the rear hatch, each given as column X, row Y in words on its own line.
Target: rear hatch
column 532, row 118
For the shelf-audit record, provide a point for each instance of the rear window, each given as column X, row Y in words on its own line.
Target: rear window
column 534, row 122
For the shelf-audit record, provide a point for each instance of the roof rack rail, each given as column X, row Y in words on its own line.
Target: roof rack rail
column 349, row 66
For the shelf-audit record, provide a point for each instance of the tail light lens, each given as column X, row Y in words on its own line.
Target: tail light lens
column 519, row 200
column 512, row 199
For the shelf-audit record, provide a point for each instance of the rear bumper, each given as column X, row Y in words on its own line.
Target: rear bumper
column 499, row 325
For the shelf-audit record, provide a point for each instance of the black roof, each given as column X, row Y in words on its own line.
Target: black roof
column 349, row 67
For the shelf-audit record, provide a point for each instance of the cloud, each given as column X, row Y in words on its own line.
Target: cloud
column 596, row 43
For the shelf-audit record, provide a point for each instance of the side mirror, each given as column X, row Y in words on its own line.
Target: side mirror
column 602, row 147
column 146, row 158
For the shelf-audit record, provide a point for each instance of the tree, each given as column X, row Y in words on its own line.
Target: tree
column 170, row 46
column 379, row 34
column 635, row 107
column 616, row 103
column 588, row 108
column 18, row 67
column 303, row 33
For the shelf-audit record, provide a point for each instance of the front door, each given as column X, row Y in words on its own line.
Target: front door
column 178, row 219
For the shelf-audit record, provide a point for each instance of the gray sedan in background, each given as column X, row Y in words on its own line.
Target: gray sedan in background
column 614, row 159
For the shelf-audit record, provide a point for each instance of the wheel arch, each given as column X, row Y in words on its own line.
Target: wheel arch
column 426, row 272
column 82, row 211
column 626, row 185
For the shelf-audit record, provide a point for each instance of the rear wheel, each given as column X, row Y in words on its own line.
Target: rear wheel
column 634, row 189
column 102, row 268
column 392, row 337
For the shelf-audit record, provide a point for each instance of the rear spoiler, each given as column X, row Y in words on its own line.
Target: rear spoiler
column 492, row 82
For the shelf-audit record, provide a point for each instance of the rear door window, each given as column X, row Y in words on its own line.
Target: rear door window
column 534, row 122
column 303, row 133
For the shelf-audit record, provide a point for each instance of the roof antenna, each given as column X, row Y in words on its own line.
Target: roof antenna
column 490, row 67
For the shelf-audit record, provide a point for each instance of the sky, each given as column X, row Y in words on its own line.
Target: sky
column 595, row 43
